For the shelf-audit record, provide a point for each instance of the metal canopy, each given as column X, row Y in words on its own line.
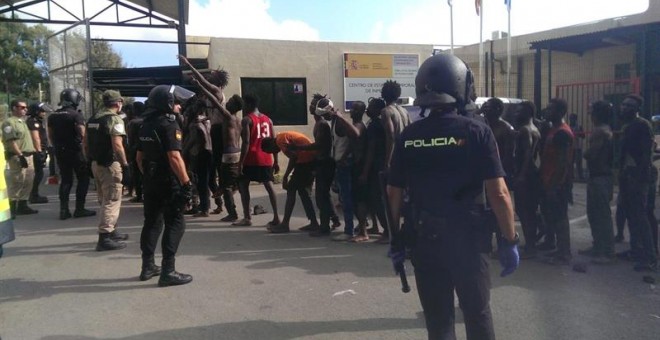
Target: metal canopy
column 137, row 82
column 160, row 13
column 590, row 41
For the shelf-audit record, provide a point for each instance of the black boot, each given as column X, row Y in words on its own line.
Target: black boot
column 81, row 211
column 117, row 236
column 38, row 199
column 12, row 209
column 64, row 210
column 23, row 209
column 149, row 269
column 64, row 214
column 107, row 243
column 170, row 277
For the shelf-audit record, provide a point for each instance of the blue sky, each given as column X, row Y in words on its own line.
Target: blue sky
column 382, row 21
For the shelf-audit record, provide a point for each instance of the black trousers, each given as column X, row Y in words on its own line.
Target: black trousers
column 39, row 164
column 324, row 174
column 70, row 162
column 452, row 262
column 159, row 212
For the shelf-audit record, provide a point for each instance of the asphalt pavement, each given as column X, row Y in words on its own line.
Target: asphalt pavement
column 249, row 284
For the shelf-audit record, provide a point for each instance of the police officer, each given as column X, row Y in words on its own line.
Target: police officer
column 35, row 123
column 66, row 130
column 443, row 163
column 105, row 148
column 167, row 188
column 18, row 153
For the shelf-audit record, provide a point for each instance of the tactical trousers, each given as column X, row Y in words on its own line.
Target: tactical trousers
column 599, row 214
column 19, row 179
column 108, row 188
column 158, row 211
column 451, row 263
column 70, row 162
column 39, row 164
column 634, row 196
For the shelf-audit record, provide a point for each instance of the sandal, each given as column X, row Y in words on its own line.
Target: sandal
column 242, row 223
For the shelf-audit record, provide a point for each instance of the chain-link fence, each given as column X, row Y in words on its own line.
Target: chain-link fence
column 68, row 54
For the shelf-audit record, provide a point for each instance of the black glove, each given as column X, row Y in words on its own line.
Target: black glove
column 23, row 161
column 125, row 175
column 183, row 197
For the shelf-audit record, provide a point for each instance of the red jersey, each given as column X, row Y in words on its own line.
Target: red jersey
column 261, row 128
column 550, row 156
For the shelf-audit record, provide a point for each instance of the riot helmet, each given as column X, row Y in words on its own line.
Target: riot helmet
column 70, row 98
column 164, row 97
column 39, row 107
column 444, row 79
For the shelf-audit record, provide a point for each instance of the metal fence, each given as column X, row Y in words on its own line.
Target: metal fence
column 69, row 57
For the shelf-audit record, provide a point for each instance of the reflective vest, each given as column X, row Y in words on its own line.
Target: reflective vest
column 6, row 225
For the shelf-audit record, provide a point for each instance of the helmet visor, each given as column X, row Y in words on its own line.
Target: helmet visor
column 180, row 94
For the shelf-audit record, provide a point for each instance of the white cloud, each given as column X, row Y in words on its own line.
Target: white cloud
column 244, row 19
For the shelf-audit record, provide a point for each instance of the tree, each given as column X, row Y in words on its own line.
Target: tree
column 23, row 61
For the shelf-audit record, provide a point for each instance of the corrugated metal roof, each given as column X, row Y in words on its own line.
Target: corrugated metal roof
column 168, row 8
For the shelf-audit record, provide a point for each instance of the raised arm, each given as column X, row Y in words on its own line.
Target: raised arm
column 199, row 77
column 214, row 100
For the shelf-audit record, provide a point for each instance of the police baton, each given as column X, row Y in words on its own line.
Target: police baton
column 399, row 268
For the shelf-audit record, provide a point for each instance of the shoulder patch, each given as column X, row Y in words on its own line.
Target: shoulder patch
column 178, row 135
column 7, row 129
column 119, row 128
column 36, row 125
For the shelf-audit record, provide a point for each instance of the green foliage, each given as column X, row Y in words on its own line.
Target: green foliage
column 103, row 56
column 23, row 59
column 24, row 62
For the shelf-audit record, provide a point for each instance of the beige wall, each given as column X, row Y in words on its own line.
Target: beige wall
column 320, row 63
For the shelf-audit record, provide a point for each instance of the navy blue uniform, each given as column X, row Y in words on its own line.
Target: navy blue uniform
column 158, row 135
column 443, row 161
column 67, row 142
column 36, row 123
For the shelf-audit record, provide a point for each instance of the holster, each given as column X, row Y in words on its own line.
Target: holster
column 430, row 227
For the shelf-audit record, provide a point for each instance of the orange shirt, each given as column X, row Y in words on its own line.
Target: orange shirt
column 296, row 138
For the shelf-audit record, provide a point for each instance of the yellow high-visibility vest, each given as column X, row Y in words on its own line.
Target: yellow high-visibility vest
column 6, row 225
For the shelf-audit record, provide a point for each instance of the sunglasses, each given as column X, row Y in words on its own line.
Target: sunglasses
column 21, row 107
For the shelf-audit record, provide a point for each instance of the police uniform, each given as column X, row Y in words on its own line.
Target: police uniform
column 19, row 177
column 36, row 123
column 159, row 135
column 107, row 170
column 67, row 142
column 443, row 162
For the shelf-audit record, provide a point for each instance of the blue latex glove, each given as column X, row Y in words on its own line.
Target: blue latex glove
column 509, row 258
column 398, row 257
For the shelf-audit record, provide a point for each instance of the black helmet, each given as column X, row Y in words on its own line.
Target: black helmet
column 163, row 97
column 444, row 79
column 38, row 107
column 70, row 97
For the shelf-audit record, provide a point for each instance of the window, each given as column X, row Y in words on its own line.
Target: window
column 284, row 100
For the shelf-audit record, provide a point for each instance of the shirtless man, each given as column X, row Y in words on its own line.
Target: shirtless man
column 324, row 166
column 393, row 117
column 505, row 136
column 231, row 153
column 527, row 182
